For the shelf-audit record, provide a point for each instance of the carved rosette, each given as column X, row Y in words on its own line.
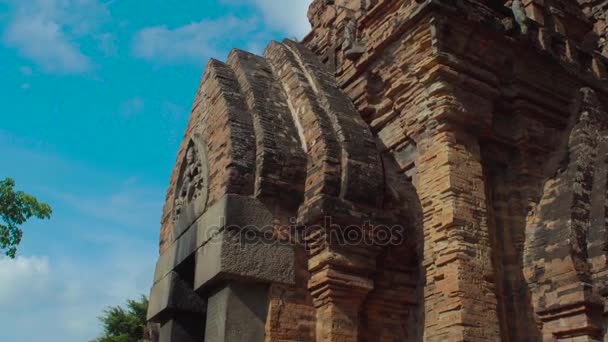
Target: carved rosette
column 191, row 191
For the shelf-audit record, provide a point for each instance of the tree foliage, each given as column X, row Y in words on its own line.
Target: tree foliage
column 16, row 208
column 124, row 325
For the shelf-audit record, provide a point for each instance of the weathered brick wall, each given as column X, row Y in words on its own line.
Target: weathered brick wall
column 462, row 124
column 565, row 255
column 471, row 109
column 404, row 95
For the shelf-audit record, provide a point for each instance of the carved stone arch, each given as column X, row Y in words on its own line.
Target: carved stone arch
column 347, row 184
column 192, row 188
column 226, row 121
column 251, row 206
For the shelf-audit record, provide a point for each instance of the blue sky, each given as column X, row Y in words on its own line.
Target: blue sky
column 95, row 97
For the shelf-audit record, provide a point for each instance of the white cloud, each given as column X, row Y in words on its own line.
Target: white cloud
column 22, row 277
column 60, row 299
column 98, row 249
column 43, row 41
column 198, row 41
column 46, row 32
column 194, row 42
column 287, row 16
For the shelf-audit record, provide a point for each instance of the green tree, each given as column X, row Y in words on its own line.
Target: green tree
column 16, row 207
column 124, row 325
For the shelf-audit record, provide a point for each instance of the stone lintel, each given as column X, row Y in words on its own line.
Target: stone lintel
column 250, row 258
column 230, row 219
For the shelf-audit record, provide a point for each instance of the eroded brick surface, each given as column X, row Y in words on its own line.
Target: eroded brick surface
column 480, row 127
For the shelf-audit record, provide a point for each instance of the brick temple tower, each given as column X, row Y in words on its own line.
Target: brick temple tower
column 410, row 171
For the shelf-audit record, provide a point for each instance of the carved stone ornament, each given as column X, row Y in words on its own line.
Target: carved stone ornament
column 520, row 16
column 353, row 48
column 192, row 186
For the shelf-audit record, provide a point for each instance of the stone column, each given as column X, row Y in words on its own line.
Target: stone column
column 237, row 313
column 460, row 300
column 235, row 266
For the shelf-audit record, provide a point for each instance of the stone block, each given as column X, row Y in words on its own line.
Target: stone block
column 237, row 313
column 233, row 256
column 183, row 328
column 236, row 243
column 172, row 295
column 165, row 263
column 234, row 212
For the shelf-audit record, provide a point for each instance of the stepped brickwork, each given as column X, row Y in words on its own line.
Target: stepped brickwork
column 410, row 171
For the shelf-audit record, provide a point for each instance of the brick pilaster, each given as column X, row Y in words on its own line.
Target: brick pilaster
column 460, row 301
